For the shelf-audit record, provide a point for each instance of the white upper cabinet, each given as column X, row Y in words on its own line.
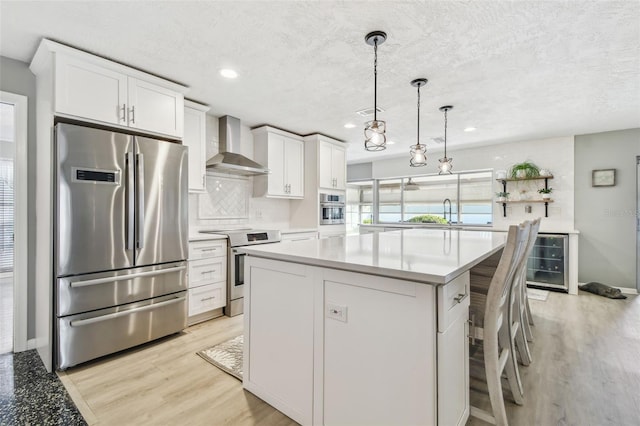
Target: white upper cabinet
column 283, row 154
column 94, row 89
column 155, row 108
column 195, row 138
column 332, row 166
column 87, row 90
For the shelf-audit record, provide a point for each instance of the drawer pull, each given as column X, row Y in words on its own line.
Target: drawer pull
column 207, row 298
column 460, row 297
column 208, row 272
column 209, row 249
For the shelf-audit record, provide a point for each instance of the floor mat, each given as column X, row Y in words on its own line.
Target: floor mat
column 227, row 356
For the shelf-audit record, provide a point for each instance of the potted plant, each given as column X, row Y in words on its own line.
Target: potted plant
column 501, row 196
column 546, row 193
column 524, row 170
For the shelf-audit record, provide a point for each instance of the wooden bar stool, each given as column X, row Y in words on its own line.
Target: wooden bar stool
column 490, row 313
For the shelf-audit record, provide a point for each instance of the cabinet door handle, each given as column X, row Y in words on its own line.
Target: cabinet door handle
column 472, row 329
column 207, row 298
column 209, row 249
column 207, row 272
column 124, row 113
column 460, row 297
column 203, row 181
column 133, row 114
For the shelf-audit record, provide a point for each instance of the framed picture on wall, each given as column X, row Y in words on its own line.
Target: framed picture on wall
column 605, row 177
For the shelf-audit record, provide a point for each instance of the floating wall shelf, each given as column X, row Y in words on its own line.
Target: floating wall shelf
column 504, row 189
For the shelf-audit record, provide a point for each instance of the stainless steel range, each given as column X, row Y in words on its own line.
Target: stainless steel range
column 235, row 271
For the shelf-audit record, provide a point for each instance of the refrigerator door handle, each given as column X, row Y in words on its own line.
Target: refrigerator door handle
column 141, row 194
column 96, row 281
column 88, row 321
column 131, row 199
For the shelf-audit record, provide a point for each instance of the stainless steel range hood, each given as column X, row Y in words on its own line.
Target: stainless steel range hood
column 229, row 160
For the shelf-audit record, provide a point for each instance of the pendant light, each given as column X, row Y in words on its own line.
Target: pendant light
column 374, row 131
column 445, row 165
column 418, row 151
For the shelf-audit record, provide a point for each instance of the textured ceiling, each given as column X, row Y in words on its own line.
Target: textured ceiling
column 515, row 70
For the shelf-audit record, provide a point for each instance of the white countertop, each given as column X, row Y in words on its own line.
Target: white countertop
column 207, row 237
column 423, row 255
column 543, row 229
column 298, row 230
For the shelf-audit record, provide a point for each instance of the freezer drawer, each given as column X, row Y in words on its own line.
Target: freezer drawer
column 101, row 290
column 87, row 336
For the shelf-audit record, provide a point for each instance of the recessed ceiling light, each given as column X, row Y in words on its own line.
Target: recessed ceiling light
column 349, row 126
column 470, row 129
column 390, row 142
column 228, row 73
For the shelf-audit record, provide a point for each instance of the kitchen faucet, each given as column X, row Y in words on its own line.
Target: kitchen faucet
column 444, row 207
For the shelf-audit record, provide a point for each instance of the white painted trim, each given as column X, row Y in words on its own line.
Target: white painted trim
column 31, row 344
column 20, row 221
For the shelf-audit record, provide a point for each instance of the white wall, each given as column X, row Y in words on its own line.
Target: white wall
column 606, row 216
column 262, row 212
column 555, row 154
column 15, row 77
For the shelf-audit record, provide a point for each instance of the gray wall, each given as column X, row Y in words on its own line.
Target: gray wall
column 15, row 77
column 606, row 216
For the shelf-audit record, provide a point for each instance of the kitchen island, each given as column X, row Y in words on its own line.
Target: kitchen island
column 364, row 329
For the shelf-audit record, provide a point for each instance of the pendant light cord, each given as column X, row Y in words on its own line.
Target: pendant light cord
column 418, row 136
column 375, row 79
column 445, row 134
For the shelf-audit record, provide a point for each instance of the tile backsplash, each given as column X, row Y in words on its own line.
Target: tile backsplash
column 228, row 204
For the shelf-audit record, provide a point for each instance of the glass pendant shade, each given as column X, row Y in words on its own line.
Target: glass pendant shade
column 445, row 165
column 374, row 133
column 418, row 155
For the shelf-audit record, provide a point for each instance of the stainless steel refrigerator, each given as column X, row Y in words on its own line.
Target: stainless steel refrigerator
column 120, row 241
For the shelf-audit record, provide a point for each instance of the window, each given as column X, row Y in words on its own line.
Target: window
column 464, row 198
column 359, row 204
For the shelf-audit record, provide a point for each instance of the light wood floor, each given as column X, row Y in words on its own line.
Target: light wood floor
column 586, row 368
column 166, row 383
column 586, row 371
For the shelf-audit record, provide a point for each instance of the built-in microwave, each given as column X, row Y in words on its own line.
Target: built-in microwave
column 332, row 209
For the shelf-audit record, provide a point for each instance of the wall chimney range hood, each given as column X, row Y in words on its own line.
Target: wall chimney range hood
column 229, row 160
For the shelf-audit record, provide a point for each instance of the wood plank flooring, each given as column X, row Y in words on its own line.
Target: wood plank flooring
column 166, row 383
column 586, row 371
column 586, row 364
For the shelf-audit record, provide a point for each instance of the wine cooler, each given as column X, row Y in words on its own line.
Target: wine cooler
column 547, row 266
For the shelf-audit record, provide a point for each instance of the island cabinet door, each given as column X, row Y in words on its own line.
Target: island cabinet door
column 278, row 350
column 453, row 352
column 379, row 351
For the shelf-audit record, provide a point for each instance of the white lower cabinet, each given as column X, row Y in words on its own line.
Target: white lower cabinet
column 367, row 361
column 281, row 298
column 206, row 298
column 207, row 279
column 333, row 347
column 453, row 371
